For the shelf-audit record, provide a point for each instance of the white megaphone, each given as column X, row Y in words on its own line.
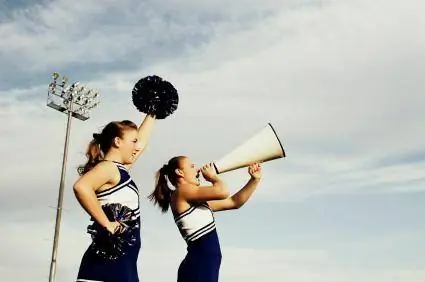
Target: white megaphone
column 262, row 147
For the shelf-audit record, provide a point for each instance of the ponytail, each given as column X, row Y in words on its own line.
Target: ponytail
column 161, row 195
column 94, row 155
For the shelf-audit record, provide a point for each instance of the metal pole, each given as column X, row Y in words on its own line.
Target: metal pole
column 52, row 275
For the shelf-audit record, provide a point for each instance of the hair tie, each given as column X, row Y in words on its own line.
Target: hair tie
column 96, row 136
column 164, row 169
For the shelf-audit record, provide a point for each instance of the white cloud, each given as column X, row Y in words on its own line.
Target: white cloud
column 334, row 102
column 160, row 257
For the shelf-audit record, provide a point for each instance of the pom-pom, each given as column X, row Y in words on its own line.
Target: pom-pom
column 112, row 246
column 153, row 95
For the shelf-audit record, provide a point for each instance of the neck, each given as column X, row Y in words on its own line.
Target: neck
column 113, row 156
column 181, row 182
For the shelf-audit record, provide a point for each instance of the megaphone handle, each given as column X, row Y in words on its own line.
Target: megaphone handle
column 216, row 169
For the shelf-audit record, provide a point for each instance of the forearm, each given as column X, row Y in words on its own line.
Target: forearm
column 91, row 205
column 145, row 130
column 242, row 196
column 221, row 187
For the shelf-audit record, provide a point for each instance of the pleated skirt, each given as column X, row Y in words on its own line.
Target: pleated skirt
column 124, row 269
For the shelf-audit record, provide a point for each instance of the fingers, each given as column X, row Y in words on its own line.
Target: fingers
column 120, row 228
column 207, row 167
column 117, row 228
column 255, row 166
column 255, row 169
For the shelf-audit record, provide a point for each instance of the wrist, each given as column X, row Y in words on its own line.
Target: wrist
column 215, row 180
column 107, row 225
column 256, row 179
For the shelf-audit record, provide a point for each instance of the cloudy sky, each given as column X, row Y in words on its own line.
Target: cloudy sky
column 341, row 81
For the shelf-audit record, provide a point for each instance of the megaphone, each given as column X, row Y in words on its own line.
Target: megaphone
column 262, row 147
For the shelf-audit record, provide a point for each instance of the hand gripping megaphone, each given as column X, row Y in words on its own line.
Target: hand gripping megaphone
column 262, row 147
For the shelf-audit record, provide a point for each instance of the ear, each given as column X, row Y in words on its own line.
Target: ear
column 179, row 172
column 116, row 142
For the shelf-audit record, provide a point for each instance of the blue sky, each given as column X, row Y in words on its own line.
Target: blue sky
column 341, row 82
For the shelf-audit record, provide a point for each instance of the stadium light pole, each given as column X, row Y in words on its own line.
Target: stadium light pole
column 75, row 100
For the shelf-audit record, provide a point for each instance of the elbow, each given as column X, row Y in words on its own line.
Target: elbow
column 78, row 189
column 224, row 193
column 237, row 205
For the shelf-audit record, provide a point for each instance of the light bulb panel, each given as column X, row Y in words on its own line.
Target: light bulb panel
column 77, row 97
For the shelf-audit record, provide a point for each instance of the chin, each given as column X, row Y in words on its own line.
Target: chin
column 128, row 162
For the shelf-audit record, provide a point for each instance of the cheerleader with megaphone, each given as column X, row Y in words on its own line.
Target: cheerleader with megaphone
column 193, row 208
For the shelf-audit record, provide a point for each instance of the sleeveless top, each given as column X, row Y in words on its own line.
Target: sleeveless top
column 195, row 222
column 125, row 192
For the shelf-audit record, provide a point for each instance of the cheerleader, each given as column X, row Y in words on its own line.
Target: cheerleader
column 193, row 208
column 108, row 194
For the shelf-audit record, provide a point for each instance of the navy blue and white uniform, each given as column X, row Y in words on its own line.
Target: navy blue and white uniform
column 124, row 269
column 203, row 258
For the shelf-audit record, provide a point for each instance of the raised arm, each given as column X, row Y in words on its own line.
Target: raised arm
column 144, row 134
column 88, row 184
column 238, row 199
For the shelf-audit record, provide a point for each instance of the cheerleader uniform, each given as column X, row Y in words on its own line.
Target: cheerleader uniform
column 203, row 258
column 94, row 268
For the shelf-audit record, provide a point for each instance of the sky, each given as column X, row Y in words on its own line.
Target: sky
column 340, row 81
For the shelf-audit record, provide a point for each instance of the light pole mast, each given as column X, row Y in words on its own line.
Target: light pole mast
column 75, row 100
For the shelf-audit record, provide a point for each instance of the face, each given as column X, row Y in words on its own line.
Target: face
column 129, row 146
column 189, row 171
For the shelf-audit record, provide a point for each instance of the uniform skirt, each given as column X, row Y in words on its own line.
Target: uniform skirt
column 202, row 261
column 124, row 269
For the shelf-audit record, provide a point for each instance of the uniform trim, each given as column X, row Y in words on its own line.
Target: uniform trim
column 183, row 214
column 195, row 222
column 124, row 192
column 113, row 189
column 201, row 232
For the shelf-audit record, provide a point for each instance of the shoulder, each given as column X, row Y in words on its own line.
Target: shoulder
column 104, row 169
column 102, row 173
column 184, row 189
column 181, row 193
column 106, row 166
